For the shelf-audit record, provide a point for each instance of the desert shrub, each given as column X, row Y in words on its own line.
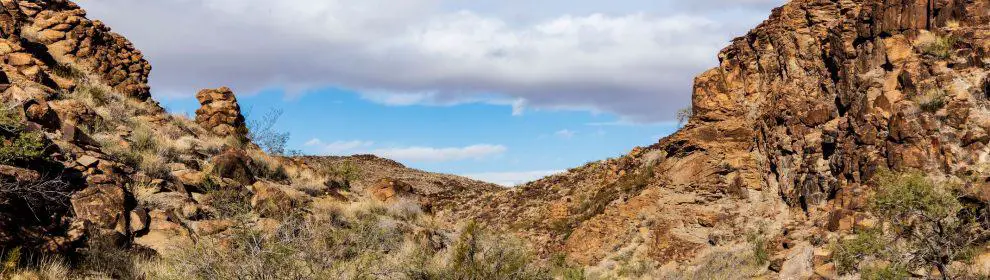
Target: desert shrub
column 561, row 269
column 630, row 184
column 925, row 216
column 45, row 195
column 93, row 95
column 17, row 144
column 302, row 248
column 847, row 253
column 268, row 167
column 24, row 146
column 154, row 165
column 226, row 202
column 142, row 138
column 932, row 100
column 760, row 246
column 347, row 171
column 937, row 46
column 11, row 260
column 889, row 272
column 478, row 254
column 263, row 132
column 405, row 209
column 68, row 71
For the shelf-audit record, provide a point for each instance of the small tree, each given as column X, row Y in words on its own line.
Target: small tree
column 684, row 115
column 927, row 217
column 264, row 133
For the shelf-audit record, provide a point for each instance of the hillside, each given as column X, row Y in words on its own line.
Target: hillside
column 838, row 139
column 784, row 142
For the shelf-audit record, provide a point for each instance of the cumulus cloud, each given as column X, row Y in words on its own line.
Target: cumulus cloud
column 511, row 179
column 636, row 64
column 430, row 154
column 338, row 147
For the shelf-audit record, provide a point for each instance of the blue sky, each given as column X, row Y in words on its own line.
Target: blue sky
column 505, row 91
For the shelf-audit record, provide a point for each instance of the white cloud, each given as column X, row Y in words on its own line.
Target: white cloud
column 636, row 64
column 338, row 147
column 565, row 133
column 430, row 154
column 510, row 179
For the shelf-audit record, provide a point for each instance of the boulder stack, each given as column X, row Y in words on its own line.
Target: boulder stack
column 220, row 113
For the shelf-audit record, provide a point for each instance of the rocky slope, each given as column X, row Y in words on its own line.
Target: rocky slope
column 785, row 136
column 95, row 171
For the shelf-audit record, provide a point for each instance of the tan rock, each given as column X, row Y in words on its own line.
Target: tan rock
column 164, row 234
column 139, row 220
column 210, row 227
column 389, row 190
column 826, row 271
column 87, row 160
column 981, row 264
column 20, row 59
column 798, row 265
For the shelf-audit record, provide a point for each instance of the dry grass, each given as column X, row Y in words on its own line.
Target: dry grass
column 48, row 268
column 725, row 263
column 932, row 100
column 940, row 46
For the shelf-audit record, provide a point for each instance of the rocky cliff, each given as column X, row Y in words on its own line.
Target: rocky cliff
column 785, row 136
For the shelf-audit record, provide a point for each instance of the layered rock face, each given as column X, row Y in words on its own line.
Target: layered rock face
column 785, row 136
column 220, row 113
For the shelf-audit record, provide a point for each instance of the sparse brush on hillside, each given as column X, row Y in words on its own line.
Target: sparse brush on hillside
column 932, row 100
column 938, row 46
column 16, row 143
column 363, row 243
column 926, row 228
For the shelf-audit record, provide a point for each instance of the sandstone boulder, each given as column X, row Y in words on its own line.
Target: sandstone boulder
column 798, row 265
column 165, row 234
column 389, row 190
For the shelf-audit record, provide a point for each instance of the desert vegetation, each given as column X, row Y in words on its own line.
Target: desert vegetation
column 925, row 227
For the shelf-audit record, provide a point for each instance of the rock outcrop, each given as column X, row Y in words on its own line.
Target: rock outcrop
column 220, row 113
column 56, row 33
column 786, row 134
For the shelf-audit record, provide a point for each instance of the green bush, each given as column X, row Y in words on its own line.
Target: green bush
column 346, row 170
column 847, row 253
column 16, row 144
column 889, row 272
column 23, row 146
column 926, row 216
